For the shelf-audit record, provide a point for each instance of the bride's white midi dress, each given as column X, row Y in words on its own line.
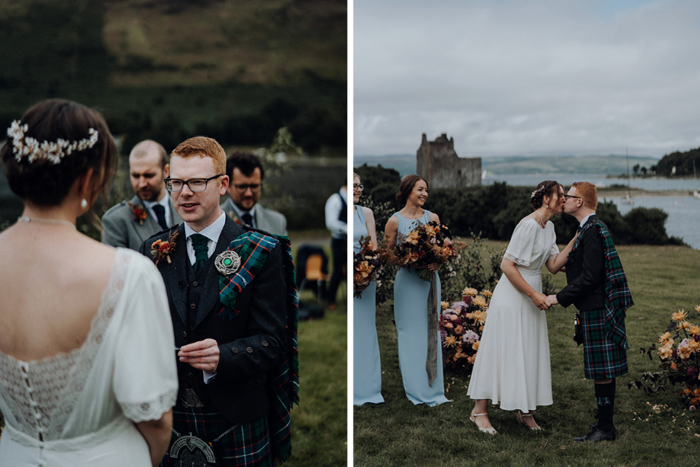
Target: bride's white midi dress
column 512, row 365
column 79, row 408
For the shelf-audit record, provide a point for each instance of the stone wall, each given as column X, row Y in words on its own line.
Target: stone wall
column 440, row 165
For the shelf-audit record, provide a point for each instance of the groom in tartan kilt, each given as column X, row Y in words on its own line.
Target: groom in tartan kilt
column 597, row 286
column 233, row 307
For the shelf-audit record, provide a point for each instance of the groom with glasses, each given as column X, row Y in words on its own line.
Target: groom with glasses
column 235, row 330
column 597, row 286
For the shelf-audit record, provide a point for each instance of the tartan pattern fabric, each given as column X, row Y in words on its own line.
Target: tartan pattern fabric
column 247, row 445
column 253, row 248
column 617, row 294
column 602, row 358
column 285, row 377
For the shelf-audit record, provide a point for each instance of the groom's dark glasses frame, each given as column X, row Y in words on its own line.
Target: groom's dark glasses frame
column 195, row 185
column 572, row 196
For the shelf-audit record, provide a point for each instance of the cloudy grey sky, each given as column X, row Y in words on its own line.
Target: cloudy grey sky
column 532, row 77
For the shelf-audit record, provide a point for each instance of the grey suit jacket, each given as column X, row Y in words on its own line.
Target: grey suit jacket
column 122, row 230
column 265, row 219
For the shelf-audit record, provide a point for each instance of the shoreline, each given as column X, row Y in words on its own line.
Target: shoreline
column 617, row 193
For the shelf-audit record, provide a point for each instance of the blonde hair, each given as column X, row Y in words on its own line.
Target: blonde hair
column 588, row 193
column 203, row 147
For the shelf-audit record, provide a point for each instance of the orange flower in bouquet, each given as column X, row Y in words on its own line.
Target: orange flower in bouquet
column 366, row 264
column 426, row 244
column 461, row 326
column 678, row 350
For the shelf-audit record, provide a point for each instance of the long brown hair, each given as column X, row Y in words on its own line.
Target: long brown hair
column 406, row 187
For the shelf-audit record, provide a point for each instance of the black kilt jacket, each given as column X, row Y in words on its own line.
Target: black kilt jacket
column 585, row 277
column 251, row 343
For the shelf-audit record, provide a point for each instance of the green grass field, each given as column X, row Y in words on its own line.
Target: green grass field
column 651, row 429
column 319, row 423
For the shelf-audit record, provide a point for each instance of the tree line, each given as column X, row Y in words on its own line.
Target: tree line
column 493, row 211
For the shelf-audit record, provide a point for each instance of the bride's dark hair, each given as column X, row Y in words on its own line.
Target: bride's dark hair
column 44, row 183
column 406, row 187
column 548, row 188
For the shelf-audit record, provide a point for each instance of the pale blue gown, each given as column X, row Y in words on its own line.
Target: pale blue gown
column 367, row 369
column 410, row 314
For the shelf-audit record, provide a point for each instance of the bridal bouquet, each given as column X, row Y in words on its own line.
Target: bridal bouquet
column 426, row 244
column 366, row 266
column 461, row 326
column 679, row 352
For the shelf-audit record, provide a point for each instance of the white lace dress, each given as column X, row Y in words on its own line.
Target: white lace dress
column 78, row 409
column 512, row 365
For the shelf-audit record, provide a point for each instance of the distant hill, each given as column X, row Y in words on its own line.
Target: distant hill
column 514, row 165
column 234, row 70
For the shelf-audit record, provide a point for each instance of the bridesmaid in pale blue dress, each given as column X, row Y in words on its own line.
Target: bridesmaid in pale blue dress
column 367, row 369
column 411, row 302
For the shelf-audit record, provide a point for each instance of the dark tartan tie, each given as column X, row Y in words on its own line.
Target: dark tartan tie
column 201, row 255
column 160, row 214
column 247, row 219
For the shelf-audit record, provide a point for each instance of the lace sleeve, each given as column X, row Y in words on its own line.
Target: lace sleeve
column 152, row 410
column 145, row 373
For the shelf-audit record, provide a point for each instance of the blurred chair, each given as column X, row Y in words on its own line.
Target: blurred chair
column 312, row 268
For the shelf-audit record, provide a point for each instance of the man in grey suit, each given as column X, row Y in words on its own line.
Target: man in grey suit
column 246, row 174
column 150, row 211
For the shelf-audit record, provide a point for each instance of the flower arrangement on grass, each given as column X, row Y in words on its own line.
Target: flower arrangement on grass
column 679, row 352
column 426, row 244
column 461, row 326
column 366, row 266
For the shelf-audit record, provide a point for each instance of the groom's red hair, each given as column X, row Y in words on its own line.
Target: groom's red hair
column 588, row 193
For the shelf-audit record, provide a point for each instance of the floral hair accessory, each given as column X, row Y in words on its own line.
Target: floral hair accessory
column 538, row 190
column 31, row 148
column 139, row 213
column 163, row 249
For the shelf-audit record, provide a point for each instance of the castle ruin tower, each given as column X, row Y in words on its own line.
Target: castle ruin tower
column 439, row 164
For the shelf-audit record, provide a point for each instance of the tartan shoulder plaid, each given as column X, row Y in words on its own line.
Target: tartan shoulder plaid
column 253, row 248
column 617, row 294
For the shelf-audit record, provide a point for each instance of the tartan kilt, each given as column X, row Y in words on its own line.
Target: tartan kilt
column 602, row 358
column 247, row 445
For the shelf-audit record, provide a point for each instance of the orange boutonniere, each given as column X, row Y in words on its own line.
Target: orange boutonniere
column 139, row 213
column 234, row 217
column 163, row 249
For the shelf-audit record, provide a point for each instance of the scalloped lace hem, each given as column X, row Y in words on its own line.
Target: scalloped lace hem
column 518, row 261
column 151, row 410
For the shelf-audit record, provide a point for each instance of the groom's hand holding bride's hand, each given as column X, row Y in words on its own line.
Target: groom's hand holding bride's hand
column 552, row 300
column 203, row 355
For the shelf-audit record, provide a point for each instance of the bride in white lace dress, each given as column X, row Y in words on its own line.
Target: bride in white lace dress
column 87, row 358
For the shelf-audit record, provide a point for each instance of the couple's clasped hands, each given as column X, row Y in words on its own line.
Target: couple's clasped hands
column 543, row 302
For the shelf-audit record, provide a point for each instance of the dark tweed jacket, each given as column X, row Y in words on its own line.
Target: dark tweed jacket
column 585, row 277
column 250, row 344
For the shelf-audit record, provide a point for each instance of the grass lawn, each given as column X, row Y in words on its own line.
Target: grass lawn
column 650, row 429
column 319, row 423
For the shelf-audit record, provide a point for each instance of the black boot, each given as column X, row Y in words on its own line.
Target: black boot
column 604, row 430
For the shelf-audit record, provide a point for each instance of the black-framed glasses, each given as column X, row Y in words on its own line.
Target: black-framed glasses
column 243, row 187
column 357, row 187
column 572, row 196
column 194, row 184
